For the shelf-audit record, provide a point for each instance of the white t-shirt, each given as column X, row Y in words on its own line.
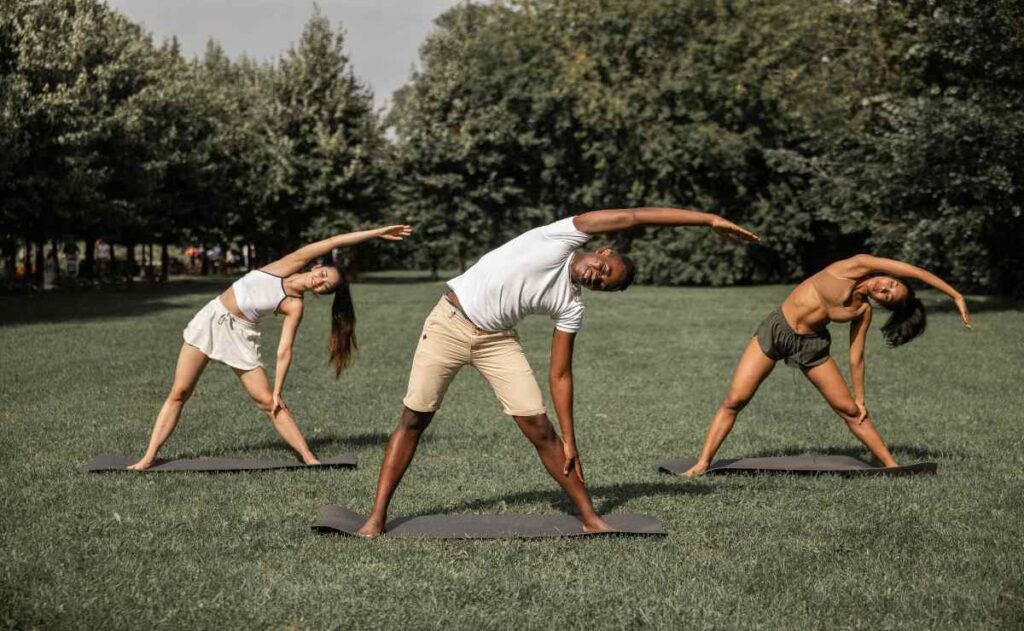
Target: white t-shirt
column 529, row 274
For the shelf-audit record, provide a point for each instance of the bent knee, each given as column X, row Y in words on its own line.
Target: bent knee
column 735, row 403
column 413, row 420
column 180, row 395
column 849, row 412
column 537, row 428
column 265, row 404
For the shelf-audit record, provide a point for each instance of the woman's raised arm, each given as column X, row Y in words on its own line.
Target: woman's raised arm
column 294, row 262
column 864, row 264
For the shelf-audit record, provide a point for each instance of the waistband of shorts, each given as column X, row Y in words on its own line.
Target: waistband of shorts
column 460, row 315
column 782, row 318
column 221, row 310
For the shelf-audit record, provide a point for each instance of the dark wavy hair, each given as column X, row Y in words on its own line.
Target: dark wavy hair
column 908, row 320
column 341, row 345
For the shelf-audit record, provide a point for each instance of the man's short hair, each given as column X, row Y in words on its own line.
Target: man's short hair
column 630, row 275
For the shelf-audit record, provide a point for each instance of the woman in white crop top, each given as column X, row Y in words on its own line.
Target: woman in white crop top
column 226, row 330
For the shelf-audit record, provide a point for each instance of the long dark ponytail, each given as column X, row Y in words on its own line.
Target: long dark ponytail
column 341, row 344
column 908, row 320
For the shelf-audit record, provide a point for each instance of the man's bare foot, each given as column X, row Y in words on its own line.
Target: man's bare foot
column 141, row 465
column 694, row 471
column 596, row 524
column 312, row 460
column 372, row 528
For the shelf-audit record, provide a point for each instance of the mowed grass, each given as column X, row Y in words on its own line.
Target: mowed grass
column 84, row 374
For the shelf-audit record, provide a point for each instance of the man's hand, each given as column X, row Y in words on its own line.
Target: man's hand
column 394, row 233
column 728, row 229
column 279, row 404
column 572, row 461
column 961, row 305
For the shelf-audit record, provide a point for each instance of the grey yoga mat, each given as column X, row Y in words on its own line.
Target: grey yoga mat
column 335, row 519
column 120, row 463
column 840, row 465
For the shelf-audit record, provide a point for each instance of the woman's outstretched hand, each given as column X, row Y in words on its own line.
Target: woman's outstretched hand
column 961, row 304
column 394, row 233
column 728, row 229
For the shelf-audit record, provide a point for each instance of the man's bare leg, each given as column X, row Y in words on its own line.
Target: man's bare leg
column 539, row 431
column 400, row 450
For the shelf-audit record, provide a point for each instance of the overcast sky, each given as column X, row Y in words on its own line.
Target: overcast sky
column 382, row 37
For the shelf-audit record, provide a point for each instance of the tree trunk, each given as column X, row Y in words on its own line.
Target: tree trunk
column 56, row 261
column 28, row 260
column 165, row 262
column 12, row 260
column 129, row 269
column 39, row 264
column 204, row 261
column 89, row 265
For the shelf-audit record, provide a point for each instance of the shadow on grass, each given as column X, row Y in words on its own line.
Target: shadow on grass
column 102, row 302
column 606, row 498
column 328, row 444
column 912, row 451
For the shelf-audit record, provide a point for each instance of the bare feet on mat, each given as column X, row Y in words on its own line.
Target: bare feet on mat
column 312, row 460
column 141, row 465
column 596, row 524
column 372, row 528
column 694, row 471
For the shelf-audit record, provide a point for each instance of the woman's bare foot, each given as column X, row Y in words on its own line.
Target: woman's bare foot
column 696, row 470
column 372, row 528
column 596, row 524
column 141, row 465
column 311, row 460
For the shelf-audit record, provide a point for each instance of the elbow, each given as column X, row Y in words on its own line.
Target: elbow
column 560, row 379
column 284, row 356
column 856, row 362
column 628, row 219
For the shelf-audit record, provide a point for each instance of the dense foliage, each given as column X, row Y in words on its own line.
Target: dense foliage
column 828, row 127
column 106, row 135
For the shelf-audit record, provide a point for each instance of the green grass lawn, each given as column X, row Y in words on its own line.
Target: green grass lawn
column 85, row 373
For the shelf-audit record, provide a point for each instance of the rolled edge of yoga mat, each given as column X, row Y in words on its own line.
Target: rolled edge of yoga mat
column 336, row 519
column 805, row 465
column 105, row 463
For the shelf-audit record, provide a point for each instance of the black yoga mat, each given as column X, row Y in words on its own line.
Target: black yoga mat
column 120, row 463
column 335, row 519
column 840, row 465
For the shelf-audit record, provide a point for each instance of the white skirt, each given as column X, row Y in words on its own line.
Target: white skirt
column 224, row 337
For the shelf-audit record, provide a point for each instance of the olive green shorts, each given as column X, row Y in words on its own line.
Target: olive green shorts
column 779, row 341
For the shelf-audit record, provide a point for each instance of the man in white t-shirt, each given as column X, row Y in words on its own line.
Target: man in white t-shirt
column 538, row 272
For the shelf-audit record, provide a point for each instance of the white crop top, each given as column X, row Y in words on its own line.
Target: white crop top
column 258, row 293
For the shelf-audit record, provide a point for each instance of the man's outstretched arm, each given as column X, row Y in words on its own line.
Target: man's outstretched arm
column 560, row 380
column 605, row 221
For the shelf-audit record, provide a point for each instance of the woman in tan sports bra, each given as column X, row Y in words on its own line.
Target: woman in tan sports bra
column 225, row 330
column 797, row 334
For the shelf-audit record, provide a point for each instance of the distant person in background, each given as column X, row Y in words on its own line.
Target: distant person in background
column 102, row 254
column 71, row 258
column 216, row 255
column 226, row 330
column 797, row 333
column 538, row 272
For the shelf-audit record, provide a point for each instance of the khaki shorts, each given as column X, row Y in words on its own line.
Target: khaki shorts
column 448, row 342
